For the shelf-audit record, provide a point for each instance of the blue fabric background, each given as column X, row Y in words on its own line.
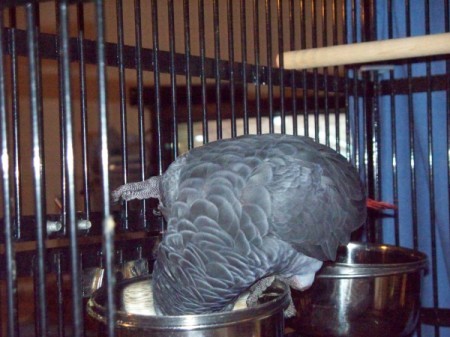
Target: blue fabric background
column 438, row 157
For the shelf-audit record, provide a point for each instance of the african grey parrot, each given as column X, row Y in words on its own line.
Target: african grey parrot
column 243, row 211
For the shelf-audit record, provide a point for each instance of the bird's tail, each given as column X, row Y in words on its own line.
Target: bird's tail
column 379, row 205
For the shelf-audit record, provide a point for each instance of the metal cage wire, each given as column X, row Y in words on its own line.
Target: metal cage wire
column 96, row 94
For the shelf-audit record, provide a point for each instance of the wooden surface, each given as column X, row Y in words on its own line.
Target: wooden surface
column 365, row 52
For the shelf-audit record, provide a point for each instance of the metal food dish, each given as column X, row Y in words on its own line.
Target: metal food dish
column 264, row 320
column 371, row 290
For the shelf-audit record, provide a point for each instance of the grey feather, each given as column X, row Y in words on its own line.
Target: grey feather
column 244, row 209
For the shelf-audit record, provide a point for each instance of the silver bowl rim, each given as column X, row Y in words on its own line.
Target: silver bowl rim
column 418, row 261
column 188, row 322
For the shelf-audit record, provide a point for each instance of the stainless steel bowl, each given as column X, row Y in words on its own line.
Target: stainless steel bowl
column 371, row 290
column 264, row 320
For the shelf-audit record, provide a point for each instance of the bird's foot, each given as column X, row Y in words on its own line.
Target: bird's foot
column 257, row 289
column 140, row 190
column 290, row 311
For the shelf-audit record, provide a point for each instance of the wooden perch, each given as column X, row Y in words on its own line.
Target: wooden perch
column 365, row 52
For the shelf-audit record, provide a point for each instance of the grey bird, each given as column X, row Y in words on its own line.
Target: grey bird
column 242, row 212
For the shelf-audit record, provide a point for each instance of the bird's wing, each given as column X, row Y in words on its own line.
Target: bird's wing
column 317, row 197
column 209, row 253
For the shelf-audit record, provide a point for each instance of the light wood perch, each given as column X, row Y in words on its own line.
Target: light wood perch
column 376, row 51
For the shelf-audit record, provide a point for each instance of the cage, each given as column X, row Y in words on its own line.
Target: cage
column 94, row 94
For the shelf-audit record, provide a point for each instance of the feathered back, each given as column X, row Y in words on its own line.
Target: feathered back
column 314, row 195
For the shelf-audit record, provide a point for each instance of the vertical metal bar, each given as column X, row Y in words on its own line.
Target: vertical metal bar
column 368, row 104
column 293, row 72
column 231, row 67
column 157, row 82
column 326, row 112
column 36, row 115
column 390, row 7
column 63, row 171
column 304, row 72
column 16, row 124
column 83, row 110
column 244, row 64
column 411, row 134
column 365, row 129
column 173, row 78
column 59, row 295
column 348, row 149
column 108, row 222
column 432, row 204
column 11, row 278
column 77, row 314
column 281, row 60
column 269, row 51
column 40, row 96
column 201, row 28
column 123, row 106
column 355, row 140
column 62, row 122
column 140, row 102
column 315, row 79
column 257, row 64
column 411, row 119
column 372, row 122
column 337, row 112
column 217, row 67
column 376, row 174
column 15, row 228
column 187, row 52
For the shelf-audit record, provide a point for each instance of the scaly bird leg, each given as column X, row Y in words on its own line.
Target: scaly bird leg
column 140, row 190
column 258, row 289
column 290, row 311
column 290, row 282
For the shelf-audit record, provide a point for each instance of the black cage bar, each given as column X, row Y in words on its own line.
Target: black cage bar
column 94, row 94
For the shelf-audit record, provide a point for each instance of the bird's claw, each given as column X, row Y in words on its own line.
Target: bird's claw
column 258, row 289
column 124, row 192
column 290, row 311
column 121, row 193
column 139, row 190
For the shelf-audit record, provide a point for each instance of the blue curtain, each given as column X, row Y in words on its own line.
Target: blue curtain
column 426, row 120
